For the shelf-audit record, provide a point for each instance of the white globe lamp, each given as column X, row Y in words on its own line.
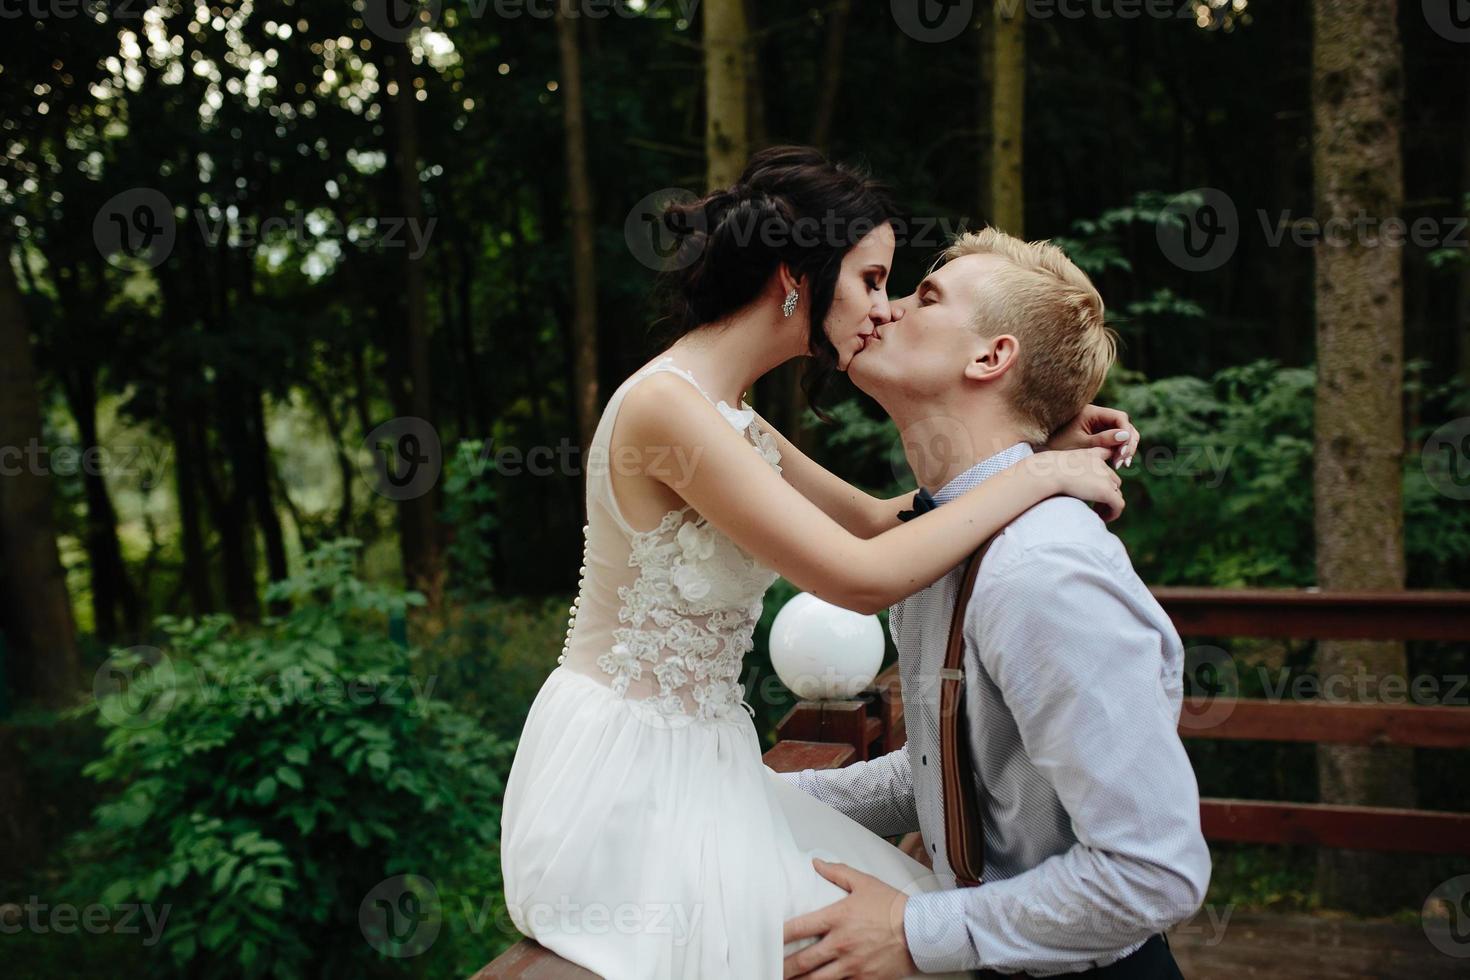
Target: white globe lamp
column 823, row 652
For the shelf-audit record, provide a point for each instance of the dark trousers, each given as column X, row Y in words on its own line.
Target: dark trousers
column 1151, row 961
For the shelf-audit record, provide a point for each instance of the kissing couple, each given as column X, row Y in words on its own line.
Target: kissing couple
column 642, row 836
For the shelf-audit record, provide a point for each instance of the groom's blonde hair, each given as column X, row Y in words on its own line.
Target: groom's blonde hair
column 1052, row 308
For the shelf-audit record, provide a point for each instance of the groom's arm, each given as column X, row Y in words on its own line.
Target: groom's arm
column 879, row 793
column 1073, row 644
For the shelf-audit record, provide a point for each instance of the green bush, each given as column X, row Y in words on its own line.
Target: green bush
column 267, row 780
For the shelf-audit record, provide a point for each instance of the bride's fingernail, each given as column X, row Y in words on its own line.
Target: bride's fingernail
column 1121, row 436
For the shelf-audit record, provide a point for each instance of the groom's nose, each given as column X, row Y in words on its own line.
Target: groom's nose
column 897, row 308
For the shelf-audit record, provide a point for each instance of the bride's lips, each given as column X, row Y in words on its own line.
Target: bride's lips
column 867, row 338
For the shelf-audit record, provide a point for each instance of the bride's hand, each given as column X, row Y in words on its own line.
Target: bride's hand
column 1081, row 473
column 1106, row 428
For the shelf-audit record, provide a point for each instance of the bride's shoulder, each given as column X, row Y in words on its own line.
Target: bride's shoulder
column 654, row 401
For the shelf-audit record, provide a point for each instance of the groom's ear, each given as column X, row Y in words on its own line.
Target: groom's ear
column 993, row 358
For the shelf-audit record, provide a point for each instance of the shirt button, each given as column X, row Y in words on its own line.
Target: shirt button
column 924, row 759
column 933, row 849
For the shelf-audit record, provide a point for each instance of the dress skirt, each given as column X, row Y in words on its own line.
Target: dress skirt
column 638, row 846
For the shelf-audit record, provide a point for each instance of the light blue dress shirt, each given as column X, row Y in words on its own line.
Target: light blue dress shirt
column 1073, row 688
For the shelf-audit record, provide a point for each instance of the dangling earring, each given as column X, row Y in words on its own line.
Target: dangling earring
column 789, row 307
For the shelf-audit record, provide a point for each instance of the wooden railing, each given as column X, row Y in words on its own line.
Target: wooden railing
column 832, row 734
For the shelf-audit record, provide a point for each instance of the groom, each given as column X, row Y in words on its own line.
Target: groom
column 1072, row 671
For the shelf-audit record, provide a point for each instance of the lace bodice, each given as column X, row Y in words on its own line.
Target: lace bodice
column 665, row 616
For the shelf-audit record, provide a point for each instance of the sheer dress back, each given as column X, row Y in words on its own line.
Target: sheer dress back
column 665, row 615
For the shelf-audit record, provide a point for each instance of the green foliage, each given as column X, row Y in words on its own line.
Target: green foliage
column 469, row 508
column 1100, row 245
column 1220, row 492
column 266, row 780
column 490, row 657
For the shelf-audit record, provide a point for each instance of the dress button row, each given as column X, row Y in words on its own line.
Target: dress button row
column 577, row 602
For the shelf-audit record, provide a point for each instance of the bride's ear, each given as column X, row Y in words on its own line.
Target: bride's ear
column 787, row 279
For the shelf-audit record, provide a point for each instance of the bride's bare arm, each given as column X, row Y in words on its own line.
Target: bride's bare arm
column 867, row 515
column 859, row 512
column 736, row 491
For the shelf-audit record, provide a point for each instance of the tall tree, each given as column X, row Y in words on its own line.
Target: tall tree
column 1462, row 297
column 579, row 192
column 420, row 534
column 1357, row 107
column 41, row 646
column 1005, row 42
column 727, row 90
column 838, row 14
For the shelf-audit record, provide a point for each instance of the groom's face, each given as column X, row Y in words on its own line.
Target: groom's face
column 931, row 335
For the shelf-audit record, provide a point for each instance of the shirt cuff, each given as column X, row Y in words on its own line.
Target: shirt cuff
column 935, row 927
column 794, row 778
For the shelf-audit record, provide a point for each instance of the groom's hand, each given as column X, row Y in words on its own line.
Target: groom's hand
column 862, row 934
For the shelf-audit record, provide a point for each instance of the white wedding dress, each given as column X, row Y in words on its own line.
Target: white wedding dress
column 642, row 836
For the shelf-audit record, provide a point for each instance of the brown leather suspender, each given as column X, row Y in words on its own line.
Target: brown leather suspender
column 964, row 826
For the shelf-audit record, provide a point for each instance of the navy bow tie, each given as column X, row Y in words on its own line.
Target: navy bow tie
column 923, row 501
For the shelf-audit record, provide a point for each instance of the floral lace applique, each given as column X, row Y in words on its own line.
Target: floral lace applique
column 690, row 615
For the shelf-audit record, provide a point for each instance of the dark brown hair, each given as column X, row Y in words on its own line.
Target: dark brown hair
column 791, row 205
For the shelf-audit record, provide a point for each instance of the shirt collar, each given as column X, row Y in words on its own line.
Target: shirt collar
column 982, row 471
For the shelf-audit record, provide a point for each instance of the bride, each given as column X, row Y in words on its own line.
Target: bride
column 641, row 835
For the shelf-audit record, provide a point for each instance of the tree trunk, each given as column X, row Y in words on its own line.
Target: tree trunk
column 1007, row 110
column 188, row 489
column 1462, row 298
column 1357, row 104
column 228, row 499
column 727, row 90
column 421, row 551
column 41, row 643
column 837, row 17
column 112, row 593
column 579, row 192
column 259, row 468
